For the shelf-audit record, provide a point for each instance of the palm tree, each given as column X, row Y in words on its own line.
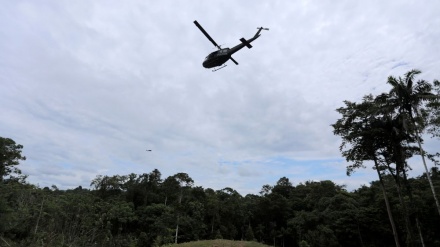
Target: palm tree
column 408, row 98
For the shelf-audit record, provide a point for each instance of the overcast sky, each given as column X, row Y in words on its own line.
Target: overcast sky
column 87, row 86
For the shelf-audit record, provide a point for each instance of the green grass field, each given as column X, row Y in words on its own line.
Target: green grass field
column 219, row 243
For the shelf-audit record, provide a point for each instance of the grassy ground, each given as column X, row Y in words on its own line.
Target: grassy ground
column 219, row 243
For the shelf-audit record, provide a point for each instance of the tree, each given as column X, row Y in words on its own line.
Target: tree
column 184, row 181
column 408, row 97
column 232, row 214
column 109, row 186
column 364, row 138
column 397, row 149
column 212, row 211
column 10, row 156
column 249, row 236
column 283, row 187
column 143, row 189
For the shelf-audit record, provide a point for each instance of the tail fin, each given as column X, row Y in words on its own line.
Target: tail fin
column 259, row 30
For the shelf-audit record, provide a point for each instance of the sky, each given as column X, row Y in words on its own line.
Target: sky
column 87, row 86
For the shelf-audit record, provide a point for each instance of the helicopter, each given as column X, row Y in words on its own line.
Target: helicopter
column 222, row 55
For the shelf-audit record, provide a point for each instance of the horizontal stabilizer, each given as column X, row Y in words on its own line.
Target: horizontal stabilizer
column 246, row 43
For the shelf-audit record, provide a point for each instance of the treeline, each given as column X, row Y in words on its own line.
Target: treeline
column 147, row 210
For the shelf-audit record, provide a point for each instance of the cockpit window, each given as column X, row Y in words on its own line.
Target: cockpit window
column 217, row 53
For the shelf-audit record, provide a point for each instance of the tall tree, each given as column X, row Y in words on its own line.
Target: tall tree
column 184, row 181
column 363, row 139
column 398, row 148
column 212, row 209
column 109, row 186
column 409, row 97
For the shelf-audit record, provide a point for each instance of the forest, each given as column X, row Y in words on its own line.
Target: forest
column 382, row 132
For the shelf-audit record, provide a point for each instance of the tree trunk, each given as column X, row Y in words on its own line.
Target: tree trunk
column 400, row 171
column 409, row 234
column 387, row 203
column 177, row 231
column 413, row 209
column 5, row 241
column 420, row 231
column 39, row 216
column 422, row 153
column 212, row 226
column 178, row 215
column 395, row 234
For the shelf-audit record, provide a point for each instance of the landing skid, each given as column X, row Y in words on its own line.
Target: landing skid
column 214, row 70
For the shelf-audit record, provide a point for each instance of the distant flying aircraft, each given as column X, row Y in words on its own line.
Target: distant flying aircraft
column 149, row 150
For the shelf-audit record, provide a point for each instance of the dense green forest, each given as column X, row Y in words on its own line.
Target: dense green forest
column 382, row 132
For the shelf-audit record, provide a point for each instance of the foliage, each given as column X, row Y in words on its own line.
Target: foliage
column 311, row 213
column 222, row 243
column 10, row 156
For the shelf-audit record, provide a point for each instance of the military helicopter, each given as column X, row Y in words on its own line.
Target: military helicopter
column 222, row 55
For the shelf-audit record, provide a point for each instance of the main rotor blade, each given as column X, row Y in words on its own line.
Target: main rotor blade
column 206, row 34
column 234, row 61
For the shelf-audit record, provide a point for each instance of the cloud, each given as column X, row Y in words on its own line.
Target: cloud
column 87, row 87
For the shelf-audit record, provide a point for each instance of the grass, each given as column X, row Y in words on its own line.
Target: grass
column 219, row 243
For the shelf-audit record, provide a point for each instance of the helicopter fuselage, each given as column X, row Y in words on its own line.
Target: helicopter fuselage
column 217, row 58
